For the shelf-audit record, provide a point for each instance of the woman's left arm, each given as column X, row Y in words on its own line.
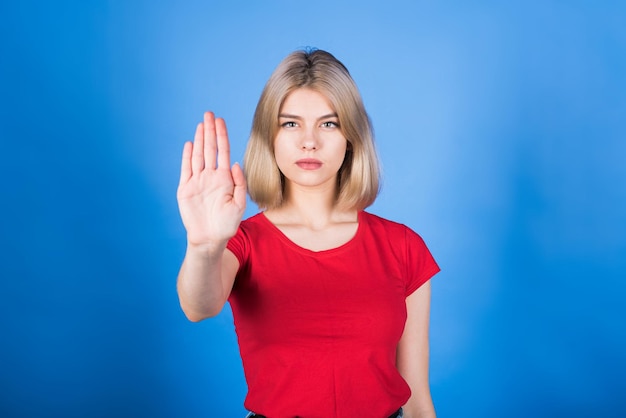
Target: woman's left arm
column 413, row 356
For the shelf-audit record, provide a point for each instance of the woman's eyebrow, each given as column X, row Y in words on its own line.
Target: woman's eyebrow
column 289, row 116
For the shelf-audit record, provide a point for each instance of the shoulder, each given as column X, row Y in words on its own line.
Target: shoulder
column 248, row 232
column 379, row 224
column 408, row 246
column 253, row 223
column 397, row 234
column 253, row 220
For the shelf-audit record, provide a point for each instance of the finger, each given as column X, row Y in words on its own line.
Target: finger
column 185, row 166
column 210, row 147
column 223, row 146
column 197, row 157
column 239, row 193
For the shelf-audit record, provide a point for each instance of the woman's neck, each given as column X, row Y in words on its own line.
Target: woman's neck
column 314, row 209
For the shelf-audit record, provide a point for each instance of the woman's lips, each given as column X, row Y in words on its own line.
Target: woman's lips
column 309, row 164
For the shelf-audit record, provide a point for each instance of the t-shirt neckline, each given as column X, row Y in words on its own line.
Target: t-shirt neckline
column 346, row 245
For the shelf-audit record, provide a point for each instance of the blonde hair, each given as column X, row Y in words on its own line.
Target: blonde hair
column 358, row 177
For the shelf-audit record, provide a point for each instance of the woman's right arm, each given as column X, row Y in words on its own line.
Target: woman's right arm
column 211, row 199
column 205, row 281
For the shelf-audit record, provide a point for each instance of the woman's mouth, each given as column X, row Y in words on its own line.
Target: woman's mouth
column 309, row 164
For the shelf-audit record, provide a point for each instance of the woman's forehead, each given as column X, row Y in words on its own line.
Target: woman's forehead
column 304, row 102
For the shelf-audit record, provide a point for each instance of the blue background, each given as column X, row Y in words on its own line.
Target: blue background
column 501, row 129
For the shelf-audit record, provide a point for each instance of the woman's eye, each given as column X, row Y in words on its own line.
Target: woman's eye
column 289, row 125
column 330, row 124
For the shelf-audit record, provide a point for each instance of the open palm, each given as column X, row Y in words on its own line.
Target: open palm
column 211, row 194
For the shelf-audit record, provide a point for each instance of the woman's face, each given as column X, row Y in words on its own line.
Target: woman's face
column 309, row 147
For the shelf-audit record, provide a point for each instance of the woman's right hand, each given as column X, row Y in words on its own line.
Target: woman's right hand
column 211, row 195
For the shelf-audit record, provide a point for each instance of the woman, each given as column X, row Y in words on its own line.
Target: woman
column 331, row 303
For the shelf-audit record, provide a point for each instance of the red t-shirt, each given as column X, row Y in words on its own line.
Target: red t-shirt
column 318, row 331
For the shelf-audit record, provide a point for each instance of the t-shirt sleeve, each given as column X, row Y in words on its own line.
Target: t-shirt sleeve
column 420, row 264
column 239, row 245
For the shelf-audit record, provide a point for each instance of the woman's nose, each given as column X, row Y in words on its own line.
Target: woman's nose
column 310, row 141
